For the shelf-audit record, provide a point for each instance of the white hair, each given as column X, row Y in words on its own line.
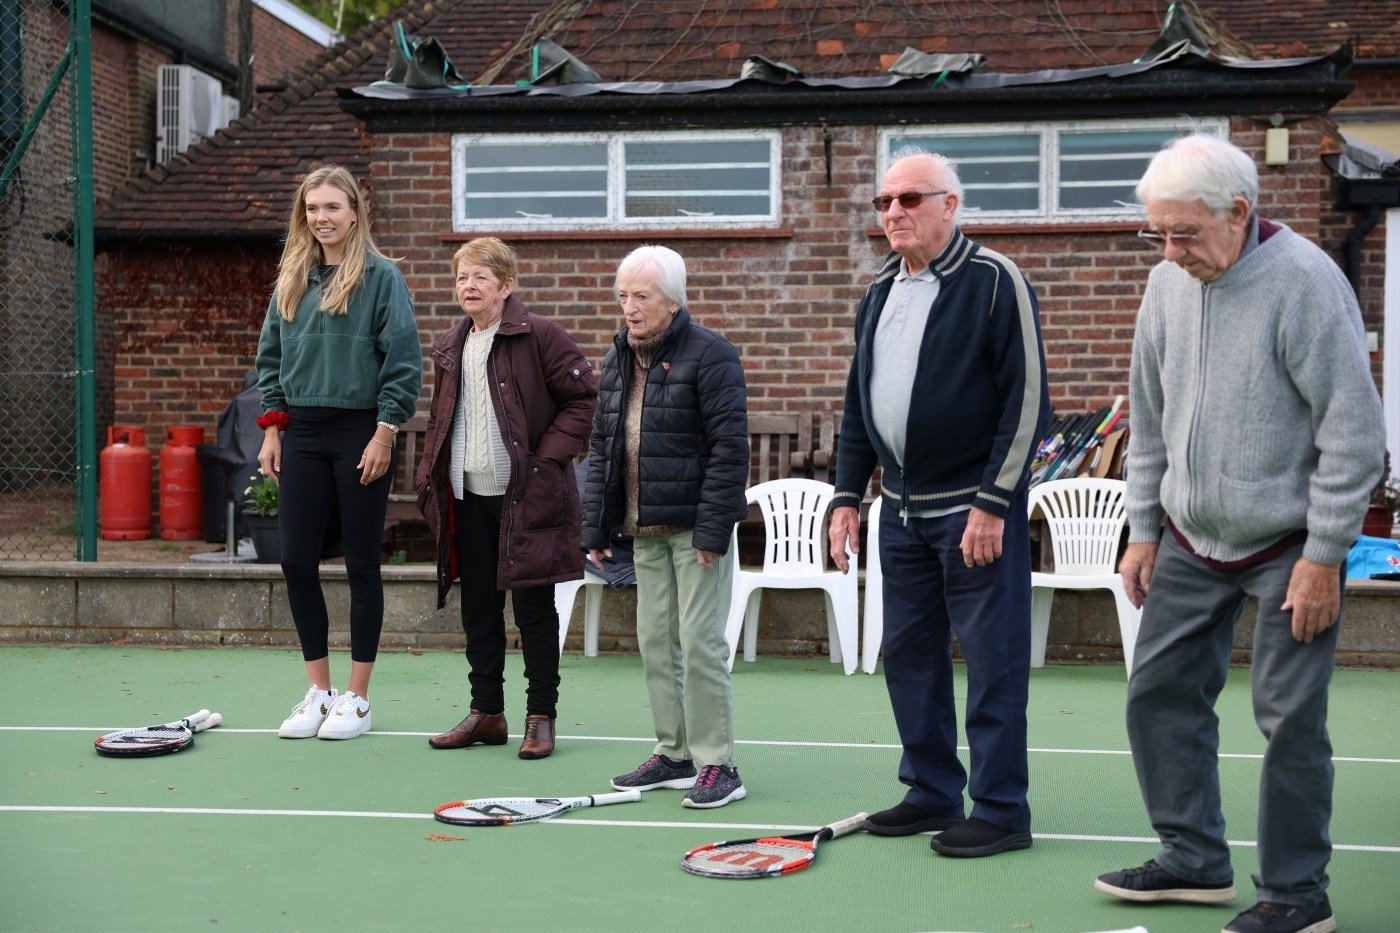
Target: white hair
column 943, row 167
column 662, row 265
column 1201, row 167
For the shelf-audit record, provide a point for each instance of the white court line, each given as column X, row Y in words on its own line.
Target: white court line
column 630, row 824
column 651, row 740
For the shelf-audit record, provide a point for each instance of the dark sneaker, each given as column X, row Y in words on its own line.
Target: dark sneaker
column 1151, row 882
column 716, row 786
column 974, row 838
column 905, row 819
column 658, row 771
column 1268, row 917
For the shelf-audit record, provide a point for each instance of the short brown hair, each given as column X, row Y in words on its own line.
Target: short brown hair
column 489, row 252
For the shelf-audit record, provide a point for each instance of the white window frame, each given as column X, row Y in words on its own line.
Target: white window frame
column 1049, row 132
column 616, row 182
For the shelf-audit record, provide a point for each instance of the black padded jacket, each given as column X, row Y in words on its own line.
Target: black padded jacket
column 694, row 458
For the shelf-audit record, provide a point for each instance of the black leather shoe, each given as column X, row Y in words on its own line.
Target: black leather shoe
column 975, row 838
column 905, row 819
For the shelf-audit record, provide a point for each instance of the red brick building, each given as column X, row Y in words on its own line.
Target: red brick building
column 763, row 187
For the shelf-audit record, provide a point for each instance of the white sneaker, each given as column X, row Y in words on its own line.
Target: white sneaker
column 308, row 715
column 348, row 718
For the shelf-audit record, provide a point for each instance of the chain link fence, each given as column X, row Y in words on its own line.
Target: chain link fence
column 43, row 511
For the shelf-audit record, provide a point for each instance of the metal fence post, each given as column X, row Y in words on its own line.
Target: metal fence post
column 83, row 304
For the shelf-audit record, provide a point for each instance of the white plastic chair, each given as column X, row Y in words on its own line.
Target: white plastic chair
column 1085, row 519
column 564, row 596
column 794, row 558
column 874, row 622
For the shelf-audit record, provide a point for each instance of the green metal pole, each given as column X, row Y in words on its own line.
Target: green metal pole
column 83, row 303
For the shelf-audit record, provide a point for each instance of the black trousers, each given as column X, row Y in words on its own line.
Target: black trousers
column 321, row 450
column 478, row 535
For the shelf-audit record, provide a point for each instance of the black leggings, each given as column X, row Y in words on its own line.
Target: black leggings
column 478, row 533
column 321, row 450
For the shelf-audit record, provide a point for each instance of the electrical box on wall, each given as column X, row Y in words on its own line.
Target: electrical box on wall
column 1276, row 146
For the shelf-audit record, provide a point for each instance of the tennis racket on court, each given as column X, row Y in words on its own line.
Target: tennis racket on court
column 508, row 811
column 766, row 857
column 156, row 740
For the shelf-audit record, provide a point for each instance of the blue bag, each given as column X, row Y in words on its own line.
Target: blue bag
column 1372, row 555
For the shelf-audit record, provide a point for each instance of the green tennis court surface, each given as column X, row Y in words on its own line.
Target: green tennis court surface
column 248, row 832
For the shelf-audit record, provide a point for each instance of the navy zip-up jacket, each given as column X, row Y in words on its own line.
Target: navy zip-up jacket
column 979, row 403
column 694, row 459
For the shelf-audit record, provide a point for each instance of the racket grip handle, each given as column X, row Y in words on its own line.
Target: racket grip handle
column 198, row 717
column 208, row 722
column 626, row 796
column 849, row 825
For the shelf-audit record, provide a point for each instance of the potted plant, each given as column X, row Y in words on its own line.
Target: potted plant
column 1385, row 505
column 260, row 518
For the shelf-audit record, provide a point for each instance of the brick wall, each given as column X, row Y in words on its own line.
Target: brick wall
column 281, row 50
column 787, row 302
column 184, row 326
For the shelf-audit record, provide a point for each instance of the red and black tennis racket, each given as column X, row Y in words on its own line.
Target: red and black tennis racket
column 765, row 857
column 161, row 739
column 509, row 811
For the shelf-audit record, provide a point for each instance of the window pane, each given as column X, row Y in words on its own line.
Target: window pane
column 999, row 173
column 708, row 177
column 1100, row 169
column 536, row 181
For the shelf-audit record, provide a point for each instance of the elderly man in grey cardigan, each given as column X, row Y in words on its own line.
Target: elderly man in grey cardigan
column 1257, row 435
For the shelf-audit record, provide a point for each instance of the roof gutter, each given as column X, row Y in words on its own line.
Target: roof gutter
column 108, row 237
column 1304, row 92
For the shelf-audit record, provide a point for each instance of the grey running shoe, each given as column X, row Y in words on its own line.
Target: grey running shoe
column 658, row 771
column 716, row 786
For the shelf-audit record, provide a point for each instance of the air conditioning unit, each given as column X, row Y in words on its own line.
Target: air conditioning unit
column 189, row 107
column 231, row 111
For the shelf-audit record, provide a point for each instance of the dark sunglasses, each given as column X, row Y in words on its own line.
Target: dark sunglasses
column 908, row 200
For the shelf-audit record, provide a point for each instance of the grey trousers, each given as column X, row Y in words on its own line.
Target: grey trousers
column 1182, row 655
column 682, row 609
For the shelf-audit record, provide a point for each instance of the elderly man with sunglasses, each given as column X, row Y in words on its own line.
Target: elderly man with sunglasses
column 947, row 395
column 1257, row 437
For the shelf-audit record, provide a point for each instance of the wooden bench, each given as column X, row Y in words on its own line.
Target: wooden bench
column 403, row 498
column 789, row 444
column 800, row 444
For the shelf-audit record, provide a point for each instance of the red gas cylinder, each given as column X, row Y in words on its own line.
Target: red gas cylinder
column 181, row 494
column 124, row 485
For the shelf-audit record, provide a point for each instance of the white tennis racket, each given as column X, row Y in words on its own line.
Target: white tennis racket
column 161, row 739
column 508, row 811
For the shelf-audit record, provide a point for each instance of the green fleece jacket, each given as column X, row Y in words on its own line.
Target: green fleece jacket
column 1253, row 410
column 368, row 357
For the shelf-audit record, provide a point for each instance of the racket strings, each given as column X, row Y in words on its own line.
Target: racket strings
column 748, row 857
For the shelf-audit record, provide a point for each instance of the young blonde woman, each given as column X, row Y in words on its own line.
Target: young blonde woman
column 340, row 368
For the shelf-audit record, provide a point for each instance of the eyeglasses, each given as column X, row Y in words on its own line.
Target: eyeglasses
column 1158, row 238
column 908, row 200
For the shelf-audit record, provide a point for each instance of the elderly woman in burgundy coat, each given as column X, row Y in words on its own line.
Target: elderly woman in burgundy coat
column 511, row 410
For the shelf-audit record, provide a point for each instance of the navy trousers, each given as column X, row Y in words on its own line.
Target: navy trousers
column 929, row 594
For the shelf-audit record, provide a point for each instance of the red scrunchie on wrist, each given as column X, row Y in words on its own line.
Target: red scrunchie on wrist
column 275, row 419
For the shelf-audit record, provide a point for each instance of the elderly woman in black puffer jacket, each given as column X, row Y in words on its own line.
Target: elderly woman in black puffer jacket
column 669, row 464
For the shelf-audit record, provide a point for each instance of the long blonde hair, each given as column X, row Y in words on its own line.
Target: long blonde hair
column 301, row 253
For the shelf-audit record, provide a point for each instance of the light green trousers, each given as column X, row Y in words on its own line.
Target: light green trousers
column 681, row 613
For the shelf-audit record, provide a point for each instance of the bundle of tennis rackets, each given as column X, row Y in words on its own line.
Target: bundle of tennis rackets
column 161, row 739
column 511, row 811
column 766, row 856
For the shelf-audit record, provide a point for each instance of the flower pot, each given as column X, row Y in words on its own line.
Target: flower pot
column 267, row 538
column 1378, row 522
